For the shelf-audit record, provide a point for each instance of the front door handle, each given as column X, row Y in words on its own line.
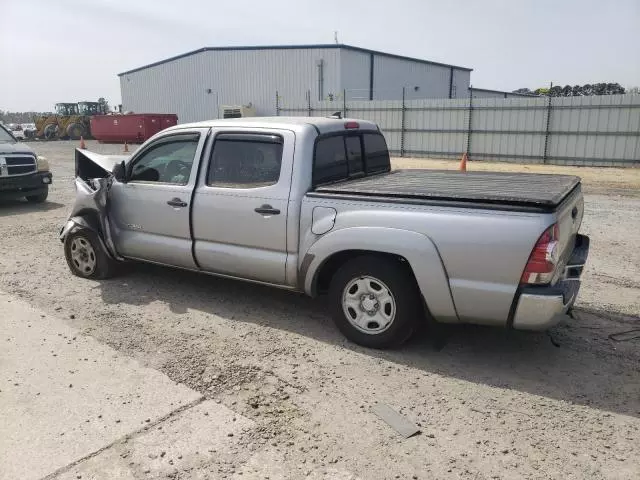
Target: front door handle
column 267, row 210
column 176, row 202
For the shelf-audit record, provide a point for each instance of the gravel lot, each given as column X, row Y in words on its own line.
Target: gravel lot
column 490, row 403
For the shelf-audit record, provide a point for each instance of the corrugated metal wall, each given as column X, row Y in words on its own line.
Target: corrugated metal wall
column 591, row 131
column 195, row 86
column 391, row 74
column 174, row 87
column 461, row 82
column 355, row 68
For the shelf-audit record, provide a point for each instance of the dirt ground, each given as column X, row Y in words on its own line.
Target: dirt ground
column 491, row 404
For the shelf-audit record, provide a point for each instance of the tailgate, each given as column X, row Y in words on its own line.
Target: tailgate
column 569, row 217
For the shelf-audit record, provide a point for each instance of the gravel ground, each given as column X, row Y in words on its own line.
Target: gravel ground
column 490, row 403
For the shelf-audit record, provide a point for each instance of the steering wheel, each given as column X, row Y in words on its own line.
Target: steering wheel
column 177, row 168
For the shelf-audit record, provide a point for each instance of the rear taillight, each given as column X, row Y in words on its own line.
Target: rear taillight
column 543, row 259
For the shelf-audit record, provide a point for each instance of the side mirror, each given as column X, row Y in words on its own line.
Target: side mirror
column 120, row 172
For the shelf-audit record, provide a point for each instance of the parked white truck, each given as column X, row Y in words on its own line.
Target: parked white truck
column 312, row 205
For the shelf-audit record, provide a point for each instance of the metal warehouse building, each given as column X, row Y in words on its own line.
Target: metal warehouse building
column 196, row 84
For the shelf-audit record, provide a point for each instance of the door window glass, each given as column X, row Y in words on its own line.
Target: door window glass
column 170, row 161
column 245, row 161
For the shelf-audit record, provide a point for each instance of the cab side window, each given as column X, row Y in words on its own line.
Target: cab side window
column 168, row 161
column 245, row 160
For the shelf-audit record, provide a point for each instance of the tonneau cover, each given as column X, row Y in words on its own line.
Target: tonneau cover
column 519, row 189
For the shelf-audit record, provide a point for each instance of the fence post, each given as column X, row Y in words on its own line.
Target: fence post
column 402, row 123
column 547, row 132
column 469, row 123
column 344, row 103
column 277, row 104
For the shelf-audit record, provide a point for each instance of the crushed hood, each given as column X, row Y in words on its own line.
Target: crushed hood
column 95, row 165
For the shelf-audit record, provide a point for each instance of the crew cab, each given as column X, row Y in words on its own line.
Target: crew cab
column 312, row 205
column 23, row 174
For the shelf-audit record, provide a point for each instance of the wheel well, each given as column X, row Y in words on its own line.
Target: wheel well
column 335, row 261
column 91, row 217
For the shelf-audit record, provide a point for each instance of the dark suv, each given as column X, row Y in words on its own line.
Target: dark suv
column 22, row 172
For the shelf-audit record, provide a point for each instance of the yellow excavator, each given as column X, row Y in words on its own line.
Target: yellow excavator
column 70, row 121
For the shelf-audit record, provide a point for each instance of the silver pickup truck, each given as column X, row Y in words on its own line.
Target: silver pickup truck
column 312, row 205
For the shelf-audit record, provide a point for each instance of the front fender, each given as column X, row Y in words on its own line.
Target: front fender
column 83, row 223
column 416, row 248
column 91, row 211
column 73, row 224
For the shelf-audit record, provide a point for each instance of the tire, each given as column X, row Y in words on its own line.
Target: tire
column 50, row 131
column 379, row 320
column 75, row 130
column 40, row 198
column 93, row 262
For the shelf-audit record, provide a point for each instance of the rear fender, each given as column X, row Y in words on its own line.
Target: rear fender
column 417, row 249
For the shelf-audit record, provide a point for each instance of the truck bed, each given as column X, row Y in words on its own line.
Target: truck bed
column 481, row 189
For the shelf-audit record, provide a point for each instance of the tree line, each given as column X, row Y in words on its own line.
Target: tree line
column 579, row 90
column 19, row 117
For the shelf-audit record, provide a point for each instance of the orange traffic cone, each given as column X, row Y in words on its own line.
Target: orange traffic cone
column 126, row 147
column 82, row 145
column 463, row 162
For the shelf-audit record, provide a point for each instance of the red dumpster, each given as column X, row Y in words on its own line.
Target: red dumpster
column 132, row 128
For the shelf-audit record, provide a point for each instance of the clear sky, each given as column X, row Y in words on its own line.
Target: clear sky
column 71, row 50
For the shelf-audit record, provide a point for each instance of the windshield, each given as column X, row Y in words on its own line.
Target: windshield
column 5, row 136
column 88, row 108
column 66, row 109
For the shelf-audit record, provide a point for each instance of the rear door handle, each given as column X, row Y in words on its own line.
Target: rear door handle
column 176, row 202
column 267, row 210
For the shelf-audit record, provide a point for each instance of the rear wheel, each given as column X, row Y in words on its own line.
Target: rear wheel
column 86, row 257
column 375, row 301
column 39, row 198
column 75, row 131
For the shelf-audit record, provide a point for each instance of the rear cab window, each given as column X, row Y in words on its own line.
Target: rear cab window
column 348, row 155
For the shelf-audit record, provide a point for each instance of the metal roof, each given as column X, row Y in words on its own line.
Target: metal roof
column 502, row 91
column 296, row 47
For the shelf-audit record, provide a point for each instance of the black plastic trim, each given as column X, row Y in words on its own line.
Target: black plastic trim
column 371, row 66
column 193, row 197
column 250, row 137
column 451, row 82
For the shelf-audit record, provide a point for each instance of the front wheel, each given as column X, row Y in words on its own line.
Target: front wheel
column 86, row 257
column 39, row 198
column 375, row 301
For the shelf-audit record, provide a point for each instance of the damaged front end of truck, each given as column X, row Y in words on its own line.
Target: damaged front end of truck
column 93, row 180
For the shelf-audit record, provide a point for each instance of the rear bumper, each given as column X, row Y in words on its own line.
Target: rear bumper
column 23, row 185
column 541, row 307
